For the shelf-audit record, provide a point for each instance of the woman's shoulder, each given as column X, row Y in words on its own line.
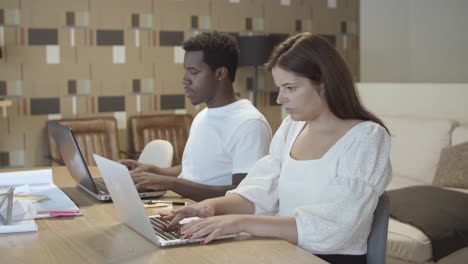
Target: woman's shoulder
column 369, row 128
column 366, row 135
column 363, row 134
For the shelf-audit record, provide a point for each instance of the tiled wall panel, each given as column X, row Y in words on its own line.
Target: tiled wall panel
column 80, row 58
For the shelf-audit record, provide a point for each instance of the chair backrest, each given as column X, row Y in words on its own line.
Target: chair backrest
column 158, row 152
column 377, row 241
column 93, row 135
column 171, row 127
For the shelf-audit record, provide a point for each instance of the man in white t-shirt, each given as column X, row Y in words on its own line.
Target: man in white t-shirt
column 226, row 138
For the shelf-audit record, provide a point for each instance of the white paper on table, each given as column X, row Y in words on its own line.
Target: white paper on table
column 40, row 183
column 18, row 189
column 18, row 222
column 18, row 212
column 30, row 177
column 58, row 200
column 19, row 226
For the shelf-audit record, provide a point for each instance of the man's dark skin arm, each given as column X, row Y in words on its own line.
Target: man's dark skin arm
column 199, row 192
column 134, row 165
column 194, row 191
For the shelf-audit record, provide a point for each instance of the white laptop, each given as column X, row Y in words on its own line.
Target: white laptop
column 76, row 165
column 131, row 209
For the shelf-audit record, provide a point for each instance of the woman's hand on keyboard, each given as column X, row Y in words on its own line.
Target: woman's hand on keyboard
column 212, row 227
column 201, row 210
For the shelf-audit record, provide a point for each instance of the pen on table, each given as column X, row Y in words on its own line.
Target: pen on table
column 155, row 205
column 61, row 212
column 164, row 202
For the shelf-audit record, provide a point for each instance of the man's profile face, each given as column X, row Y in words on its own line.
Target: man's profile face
column 199, row 80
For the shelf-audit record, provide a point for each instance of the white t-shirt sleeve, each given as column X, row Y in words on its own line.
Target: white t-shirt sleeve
column 363, row 172
column 248, row 144
column 260, row 186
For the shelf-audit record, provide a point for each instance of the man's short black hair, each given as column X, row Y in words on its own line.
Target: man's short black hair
column 219, row 50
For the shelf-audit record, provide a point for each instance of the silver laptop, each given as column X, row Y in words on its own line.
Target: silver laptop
column 76, row 165
column 131, row 210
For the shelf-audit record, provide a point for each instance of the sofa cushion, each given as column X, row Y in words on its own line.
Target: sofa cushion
column 416, row 145
column 460, row 135
column 391, row 260
column 399, row 182
column 452, row 170
column 408, row 243
column 459, row 256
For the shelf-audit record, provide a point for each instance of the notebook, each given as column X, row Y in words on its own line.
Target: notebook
column 76, row 165
column 131, row 210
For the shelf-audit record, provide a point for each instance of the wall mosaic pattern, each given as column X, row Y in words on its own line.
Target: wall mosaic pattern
column 85, row 58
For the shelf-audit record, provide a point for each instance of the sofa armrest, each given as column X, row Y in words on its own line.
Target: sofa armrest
column 460, row 135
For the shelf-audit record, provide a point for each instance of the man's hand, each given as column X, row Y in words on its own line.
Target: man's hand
column 146, row 180
column 136, row 166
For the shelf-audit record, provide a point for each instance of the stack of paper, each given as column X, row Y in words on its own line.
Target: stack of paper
column 19, row 226
column 34, row 191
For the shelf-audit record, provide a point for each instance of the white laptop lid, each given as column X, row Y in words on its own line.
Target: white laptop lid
column 125, row 197
column 129, row 206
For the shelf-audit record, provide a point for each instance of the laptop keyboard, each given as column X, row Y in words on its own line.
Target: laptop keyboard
column 159, row 225
column 99, row 182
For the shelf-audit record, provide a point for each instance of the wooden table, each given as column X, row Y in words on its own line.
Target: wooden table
column 100, row 237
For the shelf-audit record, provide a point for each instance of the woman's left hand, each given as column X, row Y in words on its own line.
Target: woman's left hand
column 213, row 227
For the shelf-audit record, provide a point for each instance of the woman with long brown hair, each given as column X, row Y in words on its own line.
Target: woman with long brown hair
column 328, row 163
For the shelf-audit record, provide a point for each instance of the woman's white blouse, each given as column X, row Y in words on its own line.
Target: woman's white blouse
column 332, row 198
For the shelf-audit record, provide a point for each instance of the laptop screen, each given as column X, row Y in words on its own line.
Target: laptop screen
column 71, row 155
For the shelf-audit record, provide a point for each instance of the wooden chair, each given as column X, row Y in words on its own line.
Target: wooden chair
column 171, row 127
column 93, row 135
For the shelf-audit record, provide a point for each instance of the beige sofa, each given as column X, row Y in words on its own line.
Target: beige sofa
column 421, row 118
column 415, row 152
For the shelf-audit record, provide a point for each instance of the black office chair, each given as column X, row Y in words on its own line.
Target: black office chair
column 377, row 241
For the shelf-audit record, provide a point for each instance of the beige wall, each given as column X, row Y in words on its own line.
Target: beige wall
column 76, row 72
column 426, row 100
column 414, row 41
column 414, row 58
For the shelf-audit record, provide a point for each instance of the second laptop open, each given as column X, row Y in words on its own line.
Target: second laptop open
column 76, row 165
column 131, row 210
